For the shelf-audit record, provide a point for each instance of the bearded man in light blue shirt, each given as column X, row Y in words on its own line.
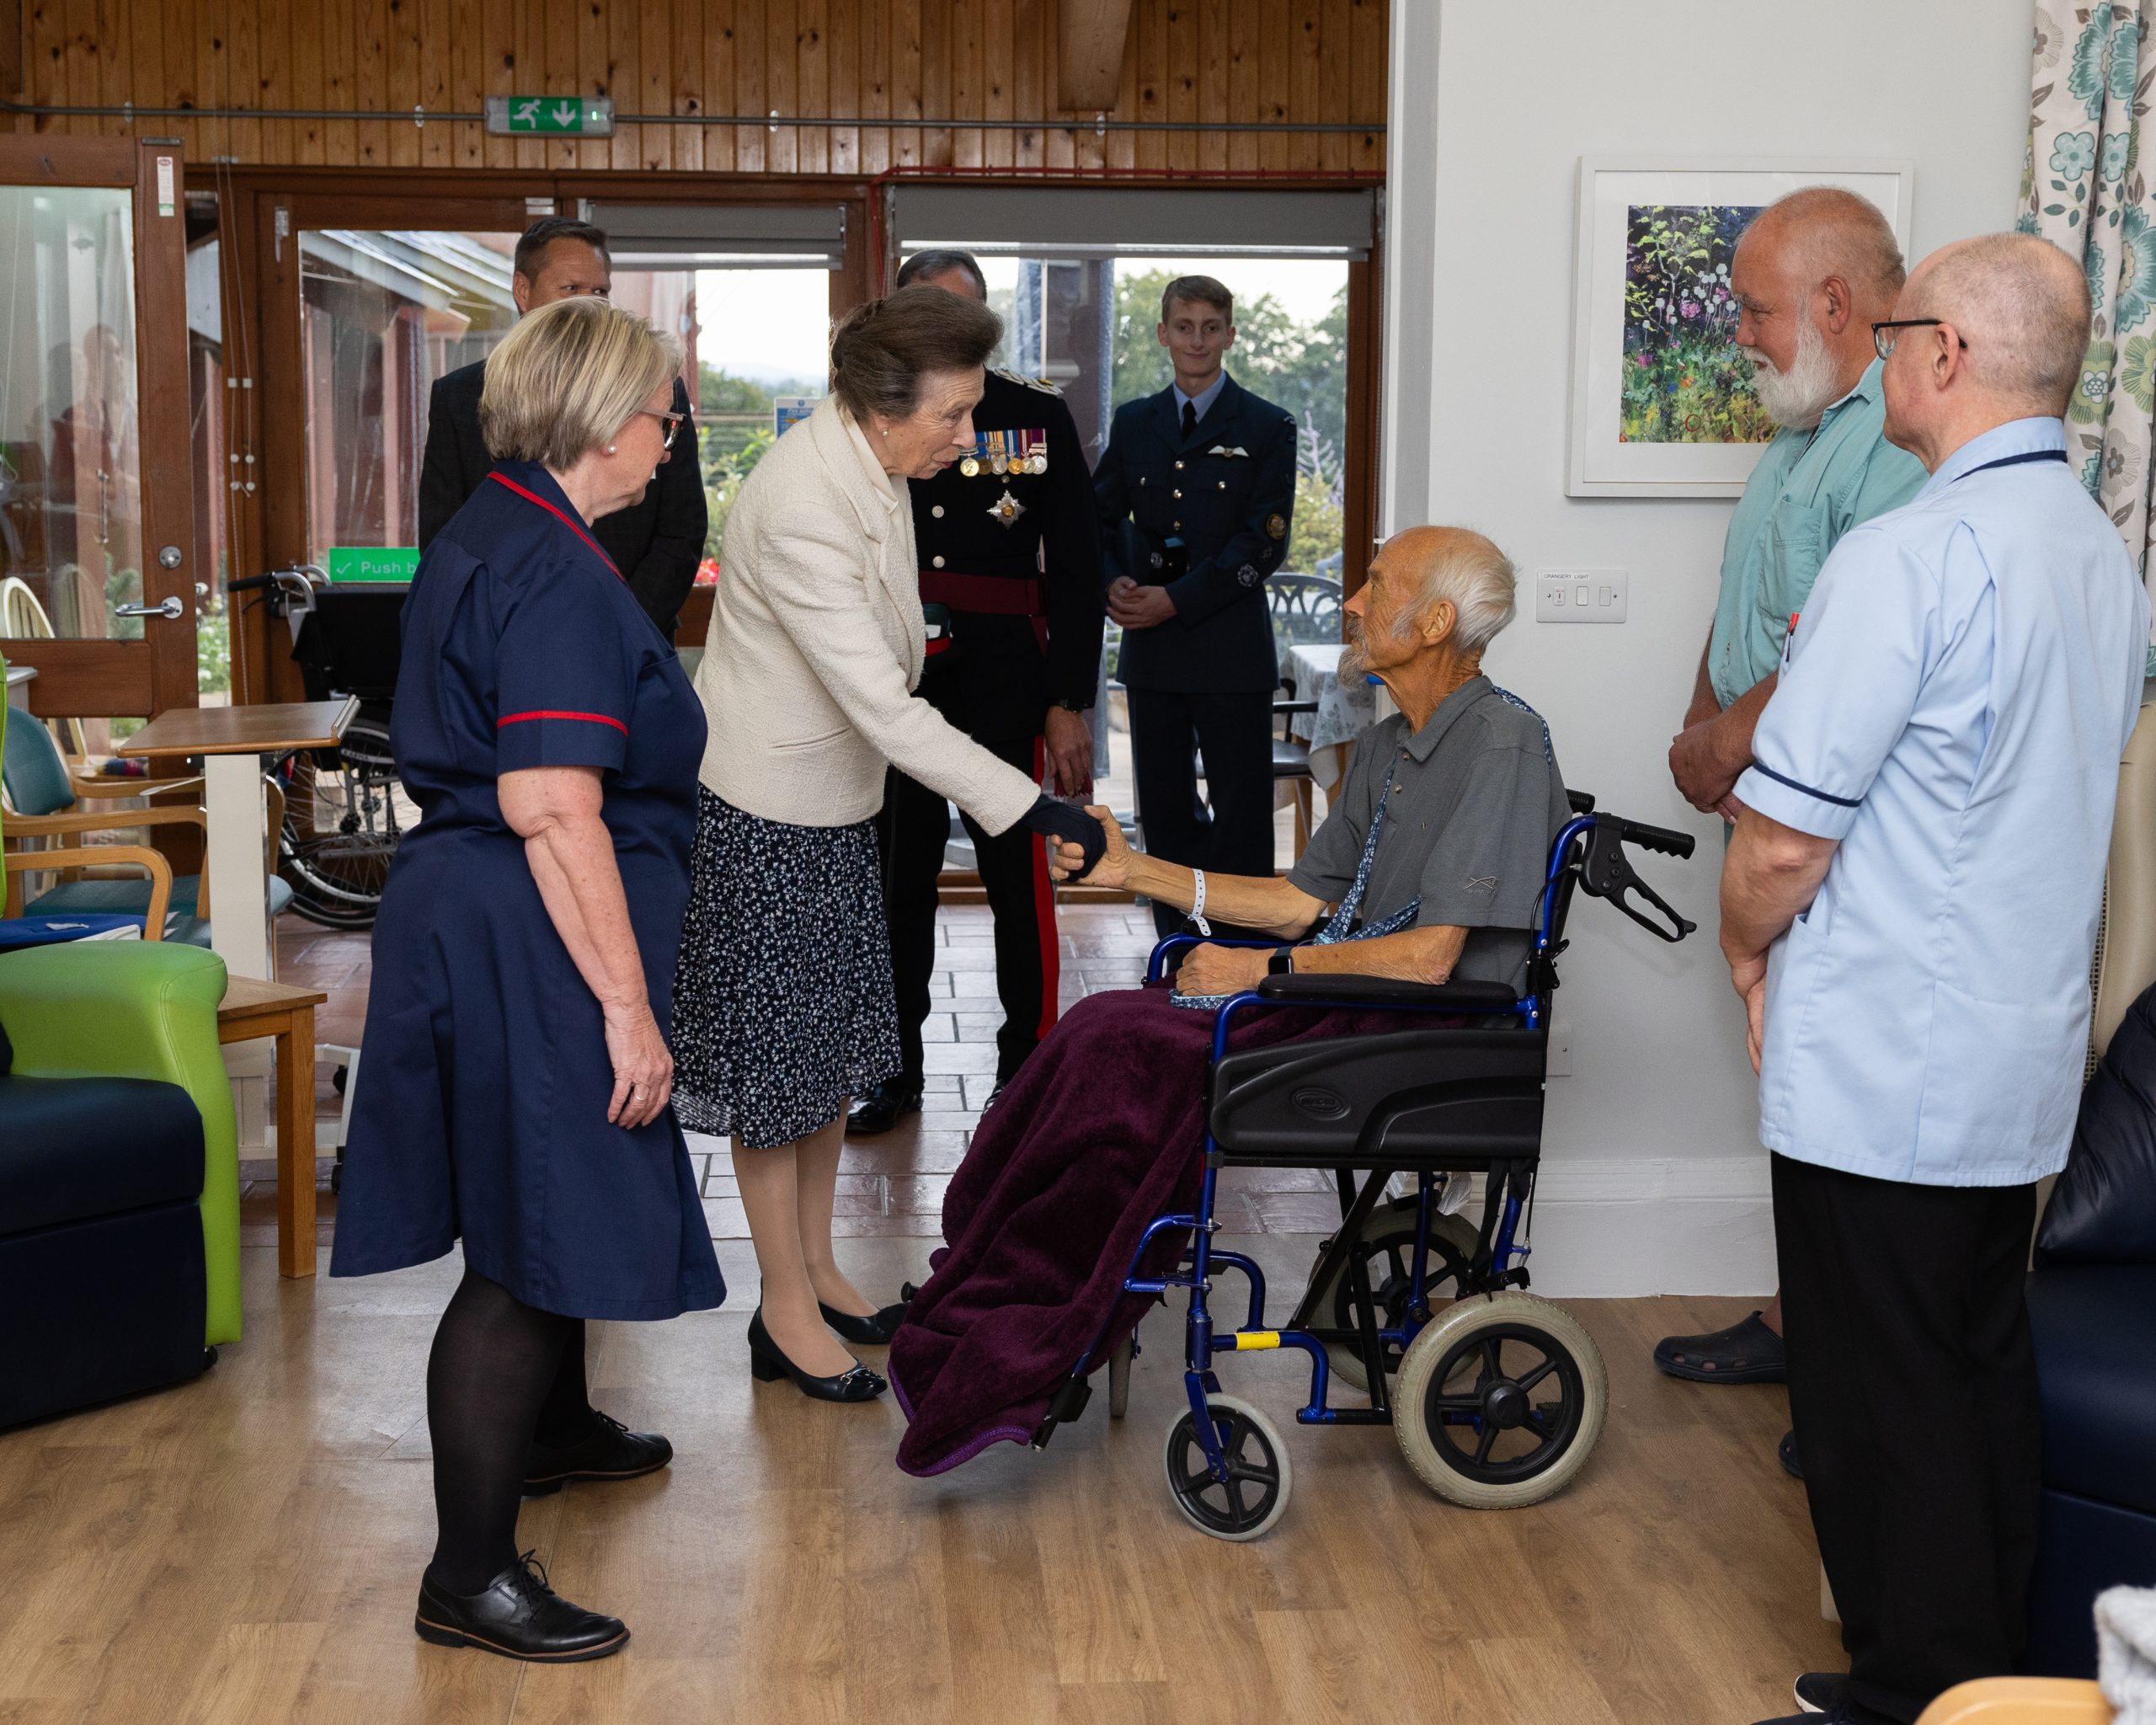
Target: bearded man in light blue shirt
column 1908, row 908
column 1811, row 274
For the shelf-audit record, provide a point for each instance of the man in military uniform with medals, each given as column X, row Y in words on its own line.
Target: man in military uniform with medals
column 1009, row 546
column 1197, row 488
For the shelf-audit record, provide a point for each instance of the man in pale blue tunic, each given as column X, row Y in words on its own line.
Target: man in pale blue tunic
column 1908, row 908
column 1811, row 274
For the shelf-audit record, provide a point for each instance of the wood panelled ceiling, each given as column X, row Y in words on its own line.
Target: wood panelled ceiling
column 874, row 64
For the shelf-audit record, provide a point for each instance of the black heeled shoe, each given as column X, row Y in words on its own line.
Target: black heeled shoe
column 766, row 1364
column 875, row 1330
column 518, row 1615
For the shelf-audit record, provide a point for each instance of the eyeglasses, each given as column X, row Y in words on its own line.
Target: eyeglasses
column 1883, row 337
column 671, row 421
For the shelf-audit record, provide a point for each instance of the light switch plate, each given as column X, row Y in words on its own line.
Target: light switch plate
column 1581, row 596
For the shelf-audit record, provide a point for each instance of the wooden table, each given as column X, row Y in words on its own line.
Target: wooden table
column 233, row 742
column 252, row 1009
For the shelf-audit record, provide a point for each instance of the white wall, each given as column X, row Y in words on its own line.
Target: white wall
column 1655, row 1182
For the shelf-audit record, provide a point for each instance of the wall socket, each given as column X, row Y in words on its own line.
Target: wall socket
column 1579, row 596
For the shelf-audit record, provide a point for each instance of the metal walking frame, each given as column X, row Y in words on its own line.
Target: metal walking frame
column 1471, row 1103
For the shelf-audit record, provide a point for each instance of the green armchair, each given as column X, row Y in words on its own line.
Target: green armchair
column 145, row 1010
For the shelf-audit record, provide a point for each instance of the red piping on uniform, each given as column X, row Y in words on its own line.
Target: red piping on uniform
column 534, row 497
column 551, row 712
column 1044, row 912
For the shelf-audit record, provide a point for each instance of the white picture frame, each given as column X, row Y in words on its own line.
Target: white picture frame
column 1608, row 455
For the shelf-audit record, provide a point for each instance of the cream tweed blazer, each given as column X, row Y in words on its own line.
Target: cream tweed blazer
column 817, row 642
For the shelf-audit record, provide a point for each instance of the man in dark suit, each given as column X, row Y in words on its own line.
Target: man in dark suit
column 1009, row 543
column 658, row 541
column 1197, row 488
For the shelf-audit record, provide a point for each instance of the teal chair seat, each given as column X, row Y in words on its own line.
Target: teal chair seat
column 132, row 898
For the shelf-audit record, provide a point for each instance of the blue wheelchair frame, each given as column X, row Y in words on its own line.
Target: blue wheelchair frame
column 1586, row 852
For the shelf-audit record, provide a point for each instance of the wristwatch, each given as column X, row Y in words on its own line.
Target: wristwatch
column 1282, row 963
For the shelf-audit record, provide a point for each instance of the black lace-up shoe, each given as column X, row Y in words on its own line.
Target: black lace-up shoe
column 518, row 1615
column 610, row 1451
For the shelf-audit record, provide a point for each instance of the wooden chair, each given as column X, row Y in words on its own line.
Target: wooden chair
column 2019, row 1701
column 24, row 619
column 14, row 864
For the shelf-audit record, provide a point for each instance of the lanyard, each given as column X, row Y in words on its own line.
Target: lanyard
column 534, row 497
column 2014, row 460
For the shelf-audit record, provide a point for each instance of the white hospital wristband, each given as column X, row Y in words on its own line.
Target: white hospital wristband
column 1197, row 905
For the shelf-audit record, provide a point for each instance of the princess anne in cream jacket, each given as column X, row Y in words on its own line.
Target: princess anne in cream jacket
column 817, row 643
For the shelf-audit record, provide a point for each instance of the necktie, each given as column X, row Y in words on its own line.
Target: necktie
column 1189, row 418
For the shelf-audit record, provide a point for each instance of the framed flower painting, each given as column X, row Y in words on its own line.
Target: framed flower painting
column 1663, row 403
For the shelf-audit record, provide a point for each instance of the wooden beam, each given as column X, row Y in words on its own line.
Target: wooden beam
column 1089, row 35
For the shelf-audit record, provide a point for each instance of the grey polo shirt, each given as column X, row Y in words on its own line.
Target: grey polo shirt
column 1478, row 803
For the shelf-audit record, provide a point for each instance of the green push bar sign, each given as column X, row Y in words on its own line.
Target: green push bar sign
column 373, row 562
column 551, row 116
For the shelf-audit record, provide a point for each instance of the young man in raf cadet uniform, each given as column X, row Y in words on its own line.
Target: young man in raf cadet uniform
column 1010, row 546
column 1197, row 488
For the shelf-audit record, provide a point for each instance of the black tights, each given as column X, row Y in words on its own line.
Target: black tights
column 502, row 1372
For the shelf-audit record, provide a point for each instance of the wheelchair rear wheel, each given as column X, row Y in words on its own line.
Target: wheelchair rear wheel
column 1255, row 1494
column 1499, row 1401
column 1388, row 1251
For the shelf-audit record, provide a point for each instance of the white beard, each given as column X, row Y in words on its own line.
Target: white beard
column 1796, row 397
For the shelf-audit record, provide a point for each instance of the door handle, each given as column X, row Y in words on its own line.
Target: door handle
column 171, row 610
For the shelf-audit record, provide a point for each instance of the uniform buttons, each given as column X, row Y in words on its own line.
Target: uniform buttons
column 1178, row 466
column 938, row 511
column 1178, row 526
column 937, row 561
column 1224, row 486
column 1178, row 493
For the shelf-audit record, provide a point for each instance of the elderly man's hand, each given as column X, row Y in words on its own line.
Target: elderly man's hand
column 1066, row 859
column 1217, row 970
column 1698, row 763
column 1135, row 607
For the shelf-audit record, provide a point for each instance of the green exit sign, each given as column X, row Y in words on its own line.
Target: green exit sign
column 373, row 562
column 551, row 116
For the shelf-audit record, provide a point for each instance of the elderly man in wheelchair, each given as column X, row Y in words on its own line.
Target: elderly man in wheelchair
column 1431, row 897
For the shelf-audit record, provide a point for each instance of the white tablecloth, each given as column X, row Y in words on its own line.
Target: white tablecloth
column 1344, row 712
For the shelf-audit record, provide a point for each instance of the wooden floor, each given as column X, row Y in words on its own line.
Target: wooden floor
column 247, row 1547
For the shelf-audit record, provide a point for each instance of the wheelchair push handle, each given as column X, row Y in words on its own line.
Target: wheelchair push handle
column 1606, row 873
column 1656, row 838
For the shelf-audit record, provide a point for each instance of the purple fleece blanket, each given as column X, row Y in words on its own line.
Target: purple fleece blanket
column 1099, row 1132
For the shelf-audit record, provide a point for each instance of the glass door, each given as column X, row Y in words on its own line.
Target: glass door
column 96, row 492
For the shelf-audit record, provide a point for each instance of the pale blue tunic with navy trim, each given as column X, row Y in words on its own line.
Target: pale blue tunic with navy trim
column 1952, row 708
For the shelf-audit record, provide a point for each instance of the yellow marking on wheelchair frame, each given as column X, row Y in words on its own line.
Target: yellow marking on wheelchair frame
column 1246, row 1340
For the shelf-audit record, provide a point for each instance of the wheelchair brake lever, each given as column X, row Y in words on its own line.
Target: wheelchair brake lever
column 1606, row 873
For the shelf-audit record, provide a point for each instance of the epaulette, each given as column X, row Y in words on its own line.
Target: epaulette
column 1040, row 383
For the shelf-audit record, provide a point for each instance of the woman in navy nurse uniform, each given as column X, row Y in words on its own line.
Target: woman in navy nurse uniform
column 517, row 1078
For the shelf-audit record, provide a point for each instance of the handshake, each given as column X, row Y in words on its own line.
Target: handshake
column 1055, row 820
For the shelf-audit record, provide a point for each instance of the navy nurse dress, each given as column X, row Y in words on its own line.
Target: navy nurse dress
column 481, row 1110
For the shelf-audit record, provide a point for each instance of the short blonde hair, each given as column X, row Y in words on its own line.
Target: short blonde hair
column 568, row 378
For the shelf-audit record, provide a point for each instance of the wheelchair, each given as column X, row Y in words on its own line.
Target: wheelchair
column 344, row 811
column 1496, row 1396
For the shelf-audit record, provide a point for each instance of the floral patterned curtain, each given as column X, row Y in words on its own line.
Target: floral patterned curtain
column 2086, row 186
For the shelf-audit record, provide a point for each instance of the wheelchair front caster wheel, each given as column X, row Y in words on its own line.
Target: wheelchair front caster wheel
column 1499, row 1401
column 1254, row 1495
column 1119, row 1379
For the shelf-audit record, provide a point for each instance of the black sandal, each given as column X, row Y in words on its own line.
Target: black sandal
column 1746, row 1353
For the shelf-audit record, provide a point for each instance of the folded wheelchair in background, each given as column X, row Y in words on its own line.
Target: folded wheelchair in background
column 1496, row 1396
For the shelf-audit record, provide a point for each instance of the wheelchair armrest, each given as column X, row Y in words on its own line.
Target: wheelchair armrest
column 1295, row 707
column 1324, row 988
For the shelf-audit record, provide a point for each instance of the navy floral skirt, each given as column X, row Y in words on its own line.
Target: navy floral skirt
column 782, row 1000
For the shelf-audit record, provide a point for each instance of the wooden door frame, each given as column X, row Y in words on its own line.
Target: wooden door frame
column 270, row 526
column 132, row 679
